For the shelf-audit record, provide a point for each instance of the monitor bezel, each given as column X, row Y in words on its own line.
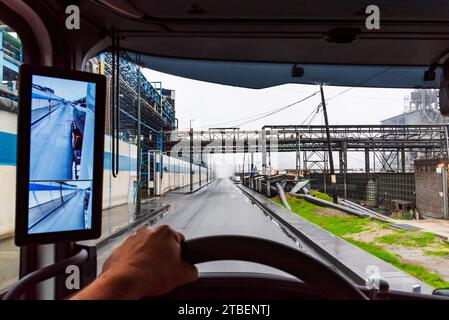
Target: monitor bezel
column 22, row 237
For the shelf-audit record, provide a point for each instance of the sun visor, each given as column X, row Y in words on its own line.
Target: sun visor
column 263, row 75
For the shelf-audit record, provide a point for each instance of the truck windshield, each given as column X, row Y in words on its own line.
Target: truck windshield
column 363, row 171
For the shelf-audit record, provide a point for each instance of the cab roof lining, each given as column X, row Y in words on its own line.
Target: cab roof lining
column 256, row 75
column 412, row 34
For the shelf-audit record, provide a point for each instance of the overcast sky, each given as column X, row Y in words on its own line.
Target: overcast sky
column 214, row 105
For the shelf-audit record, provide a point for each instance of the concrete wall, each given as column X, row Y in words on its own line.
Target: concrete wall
column 119, row 190
column 176, row 174
column 429, row 201
column 8, row 130
column 7, row 199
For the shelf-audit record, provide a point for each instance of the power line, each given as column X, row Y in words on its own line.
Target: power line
column 360, row 83
column 312, row 116
column 318, row 109
column 261, row 115
column 279, row 110
column 269, row 113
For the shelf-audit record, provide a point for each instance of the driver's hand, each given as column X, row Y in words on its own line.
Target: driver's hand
column 148, row 263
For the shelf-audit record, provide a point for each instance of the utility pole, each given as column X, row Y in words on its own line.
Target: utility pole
column 251, row 170
column 252, row 162
column 201, row 162
column 207, row 168
column 191, row 159
column 298, row 155
column 191, row 154
column 329, row 147
column 243, row 169
column 264, row 153
column 235, row 169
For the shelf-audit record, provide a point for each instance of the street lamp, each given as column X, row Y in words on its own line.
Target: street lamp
column 191, row 154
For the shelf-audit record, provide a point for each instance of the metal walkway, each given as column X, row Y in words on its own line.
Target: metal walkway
column 410, row 138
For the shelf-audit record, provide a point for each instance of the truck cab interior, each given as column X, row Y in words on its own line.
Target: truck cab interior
column 241, row 44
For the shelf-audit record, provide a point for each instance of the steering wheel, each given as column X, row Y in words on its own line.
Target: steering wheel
column 316, row 274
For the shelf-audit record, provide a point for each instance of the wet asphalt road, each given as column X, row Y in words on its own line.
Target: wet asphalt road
column 220, row 209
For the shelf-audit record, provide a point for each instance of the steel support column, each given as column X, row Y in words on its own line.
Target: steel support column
column 367, row 168
column 264, row 153
column 344, row 166
column 201, row 162
column 403, row 160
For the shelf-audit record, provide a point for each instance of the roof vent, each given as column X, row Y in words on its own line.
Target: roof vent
column 342, row 35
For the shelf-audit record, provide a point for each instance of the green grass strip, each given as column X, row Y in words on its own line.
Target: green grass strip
column 438, row 253
column 346, row 225
column 415, row 270
column 409, row 238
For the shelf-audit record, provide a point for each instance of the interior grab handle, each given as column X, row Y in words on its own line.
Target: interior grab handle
column 33, row 278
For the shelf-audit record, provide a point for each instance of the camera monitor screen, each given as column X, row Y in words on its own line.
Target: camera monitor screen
column 59, row 122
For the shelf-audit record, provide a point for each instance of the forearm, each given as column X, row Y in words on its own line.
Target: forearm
column 147, row 264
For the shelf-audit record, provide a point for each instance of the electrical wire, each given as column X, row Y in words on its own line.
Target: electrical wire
column 312, row 116
column 262, row 115
column 279, row 110
column 318, row 111
column 360, row 83
column 269, row 113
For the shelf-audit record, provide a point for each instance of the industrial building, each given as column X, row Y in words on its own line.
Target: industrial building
column 10, row 59
column 420, row 107
column 430, row 173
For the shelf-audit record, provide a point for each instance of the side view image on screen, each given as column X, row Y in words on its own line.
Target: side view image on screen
column 61, row 154
column 56, row 206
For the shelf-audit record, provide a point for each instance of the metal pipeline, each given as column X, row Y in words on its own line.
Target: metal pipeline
column 281, row 193
column 325, row 203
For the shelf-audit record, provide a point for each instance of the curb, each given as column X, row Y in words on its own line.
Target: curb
column 348, row 272
column 198, row 189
